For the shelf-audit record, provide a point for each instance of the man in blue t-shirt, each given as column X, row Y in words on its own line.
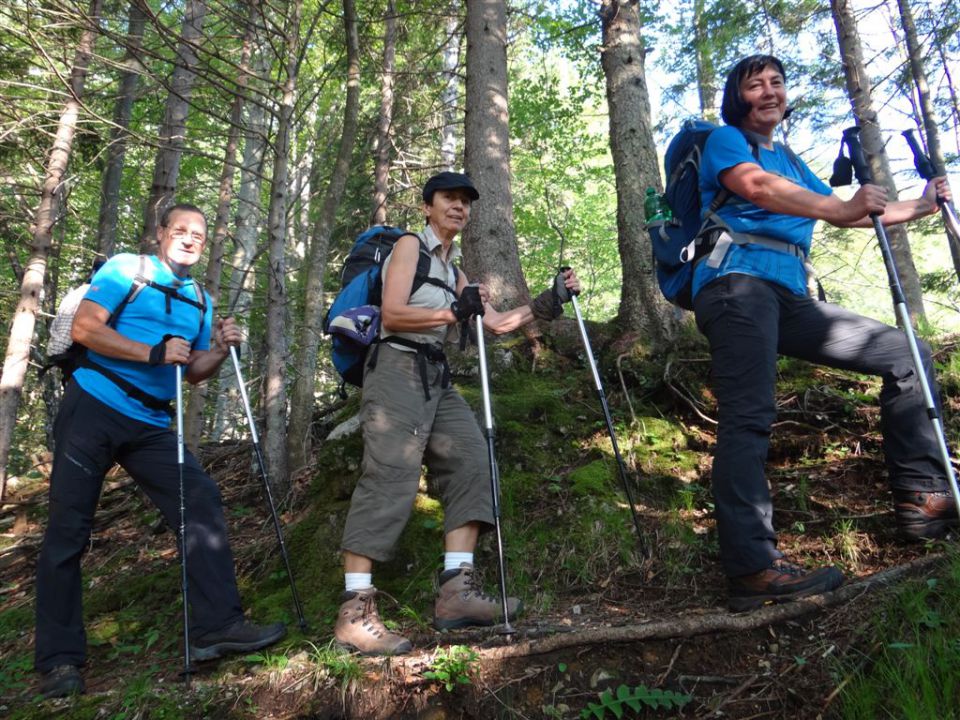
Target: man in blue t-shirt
column 751, row 302
column 116, row 410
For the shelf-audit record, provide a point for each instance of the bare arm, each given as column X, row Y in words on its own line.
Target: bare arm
column 91, row 330
column 509, row 320
column 396, row 314
column 204, row 363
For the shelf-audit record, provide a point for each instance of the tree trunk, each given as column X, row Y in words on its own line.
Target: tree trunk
column 859, row 90
column 451, row 90
column 636, row 167
column 117, row 146
column 238, row 298
column 927, row 113
column 299, row 439
column 25, row 317
column 706, row 73
column 198, row 394
column 173, row 131
column 274, row 382
column 490, row 242
column 381, row 170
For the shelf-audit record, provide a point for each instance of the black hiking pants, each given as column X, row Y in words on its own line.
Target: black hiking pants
column 749, row 322
column 90, row 437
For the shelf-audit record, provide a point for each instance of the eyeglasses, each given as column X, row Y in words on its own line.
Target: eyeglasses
column 180, row 234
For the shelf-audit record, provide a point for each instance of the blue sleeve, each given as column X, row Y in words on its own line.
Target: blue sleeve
column 112, row 282
column 725, row 147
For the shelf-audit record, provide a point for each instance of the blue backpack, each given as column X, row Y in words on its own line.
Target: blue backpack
column 677, row 243
column 353, row 319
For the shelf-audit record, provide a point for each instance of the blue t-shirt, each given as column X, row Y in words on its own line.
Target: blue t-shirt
column 725, row 148
column 144, row 319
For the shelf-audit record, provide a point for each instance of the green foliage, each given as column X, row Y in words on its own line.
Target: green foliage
column 914, row 667
column 453, row 666
column 634, row 699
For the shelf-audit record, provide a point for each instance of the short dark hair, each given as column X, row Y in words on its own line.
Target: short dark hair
column 180, row 207
column 734, row 108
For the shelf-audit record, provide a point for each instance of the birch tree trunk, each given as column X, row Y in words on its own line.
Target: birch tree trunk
column 238, row 298
column 117, row 145
column 859, row 90
column 636, row 167
column 381, row 170
column 198, row 394
column 299, row 440
column 274, row 382
column 17, row 357
column 172, row 134
column 451, row 87
column 930, row 129
column 489, row 242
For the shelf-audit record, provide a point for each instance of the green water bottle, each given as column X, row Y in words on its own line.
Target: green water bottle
column 663, row 212
column 651, row 204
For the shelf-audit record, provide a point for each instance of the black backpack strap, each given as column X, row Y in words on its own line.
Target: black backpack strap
column 422, row 275
column 148, row 400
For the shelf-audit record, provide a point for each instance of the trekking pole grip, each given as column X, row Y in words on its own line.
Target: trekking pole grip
column 861, row 168
column 921, row 161
column 559, row 278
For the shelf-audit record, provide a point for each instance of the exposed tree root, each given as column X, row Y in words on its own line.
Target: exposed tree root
column 701, row 624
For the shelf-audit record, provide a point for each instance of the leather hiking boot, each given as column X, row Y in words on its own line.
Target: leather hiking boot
column 924, row 515
column 462, row 603
column 62, row 681
column 781, row 582
column 242, row 636
column 360, row 629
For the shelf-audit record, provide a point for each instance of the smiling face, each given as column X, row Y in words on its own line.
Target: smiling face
column 448, row 212
column 181, row 241
column 766, row 93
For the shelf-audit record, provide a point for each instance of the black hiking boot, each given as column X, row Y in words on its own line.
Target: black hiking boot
column 62, row 681
column 924, row 515
column 242, row 636
column 781, row 582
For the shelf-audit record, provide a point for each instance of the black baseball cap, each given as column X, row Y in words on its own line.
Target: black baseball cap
column 449, row 181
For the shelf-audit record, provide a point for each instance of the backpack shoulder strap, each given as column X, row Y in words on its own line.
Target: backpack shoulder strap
column 422, row 275
column 139, row 282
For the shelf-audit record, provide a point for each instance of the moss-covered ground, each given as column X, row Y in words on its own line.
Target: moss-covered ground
column 572, row 554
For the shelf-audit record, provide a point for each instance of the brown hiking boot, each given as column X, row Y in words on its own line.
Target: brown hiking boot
column 461, row 602
column 781, row 582
column 924, row 515
column 360, row 629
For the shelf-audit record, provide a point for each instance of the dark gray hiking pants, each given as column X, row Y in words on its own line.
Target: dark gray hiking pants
column 749, row 322
column 90, row 437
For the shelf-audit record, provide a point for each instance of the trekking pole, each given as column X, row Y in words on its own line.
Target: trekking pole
column 187, row 669
column 927, row 170
column 606, row 415
column 494, row 472
column 266, row 486
column 851, row 137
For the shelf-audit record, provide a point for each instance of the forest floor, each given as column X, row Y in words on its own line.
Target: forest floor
column 653, row 626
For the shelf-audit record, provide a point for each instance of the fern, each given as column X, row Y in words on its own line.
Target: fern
column 635, row 699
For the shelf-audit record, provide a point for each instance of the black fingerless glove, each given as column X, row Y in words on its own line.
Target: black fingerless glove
column 548, row 305
column 158, row 353
column 468, row 304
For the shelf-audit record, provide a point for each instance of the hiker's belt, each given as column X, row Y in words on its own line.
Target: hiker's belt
column 424, row 353
column 726, row 238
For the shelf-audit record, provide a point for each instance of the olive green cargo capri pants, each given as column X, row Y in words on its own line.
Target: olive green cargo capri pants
column 402, row 431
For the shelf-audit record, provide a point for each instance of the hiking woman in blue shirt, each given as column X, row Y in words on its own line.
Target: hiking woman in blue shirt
column 752, row 304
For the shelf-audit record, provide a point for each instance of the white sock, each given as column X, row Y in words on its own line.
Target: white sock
column 357, row 581
column 453, row 560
